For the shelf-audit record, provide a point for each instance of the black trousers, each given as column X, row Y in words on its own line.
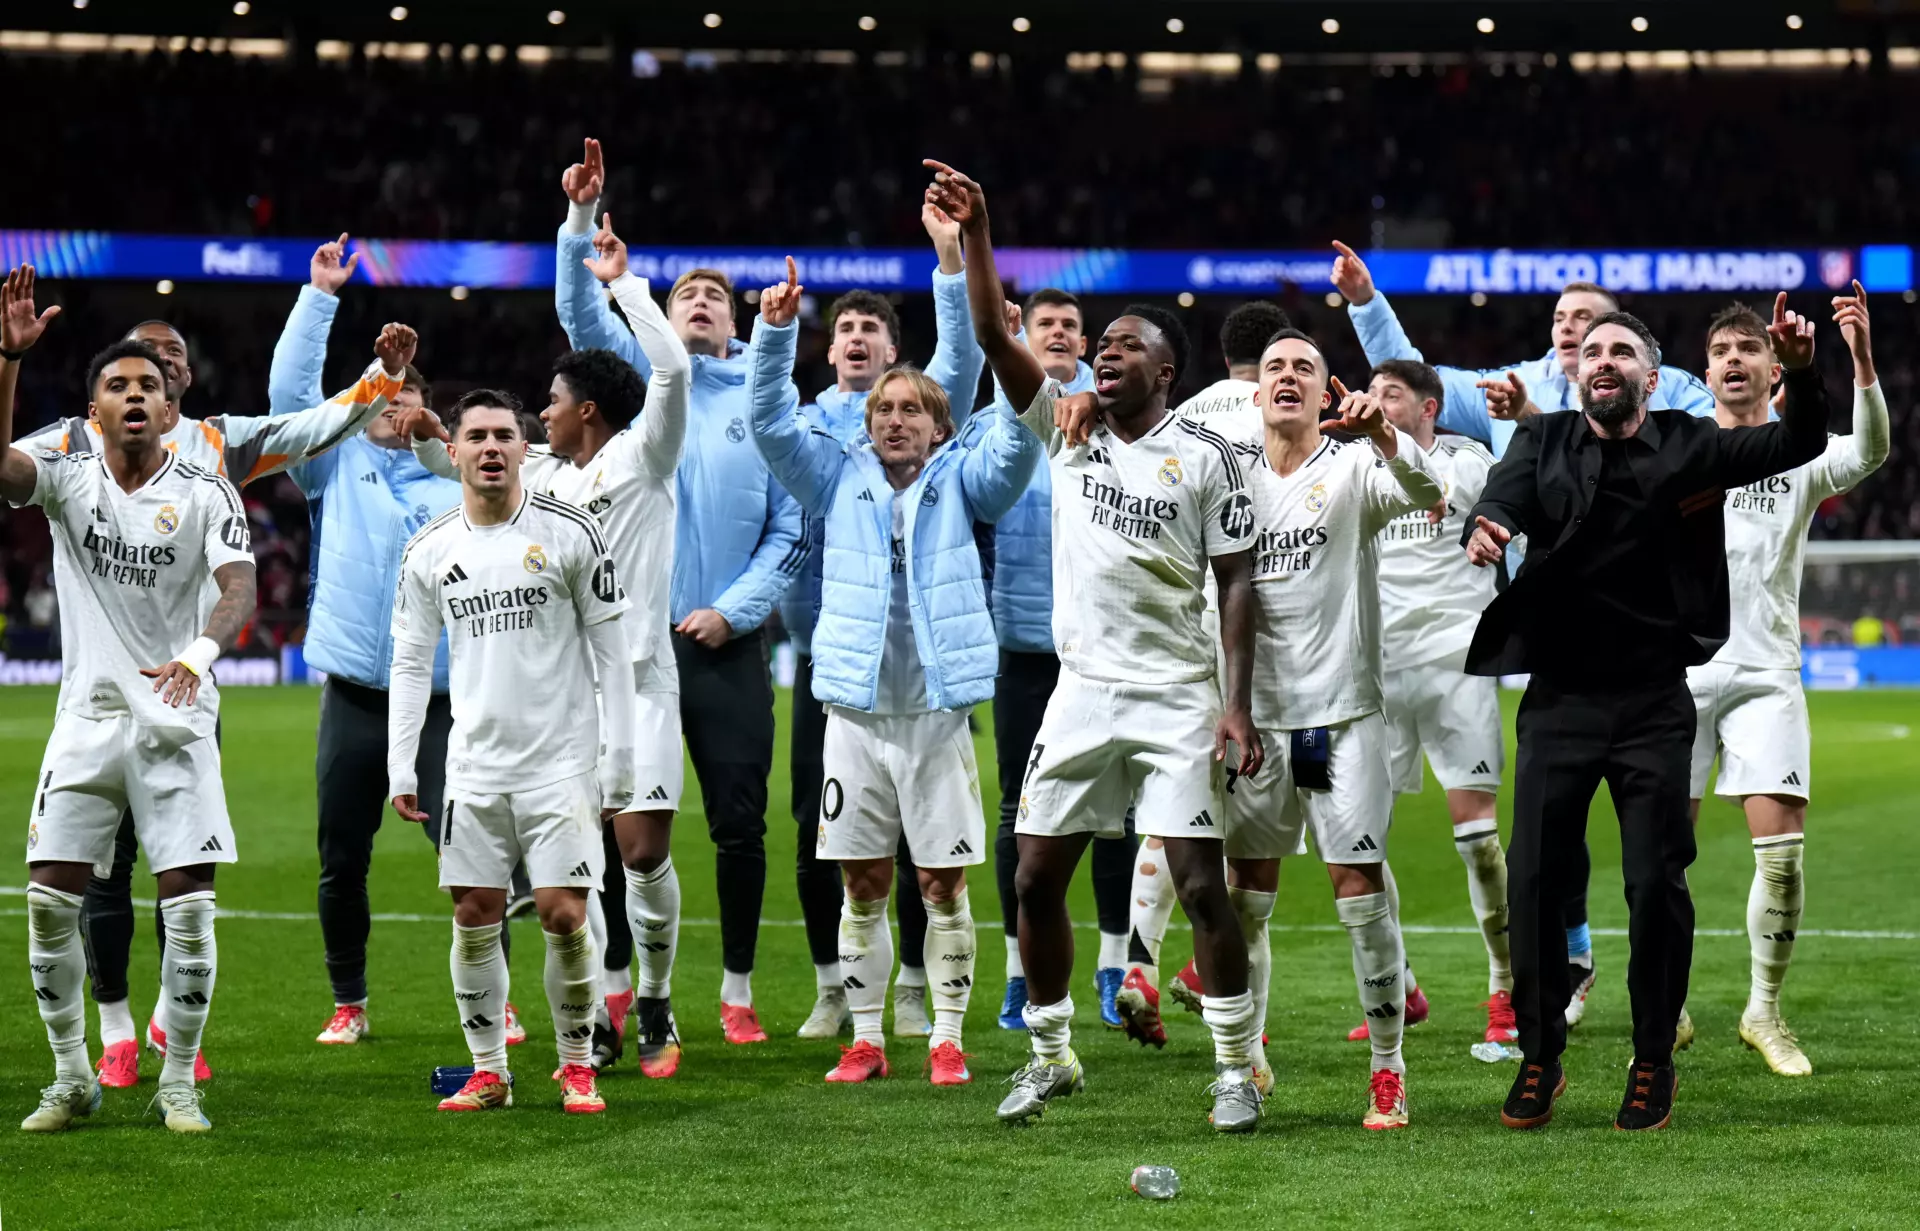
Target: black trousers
column 1019, row 703
column 726, row 713
column 106, row 916
column 819, row 882
column 1638, row 740
column 350, row 774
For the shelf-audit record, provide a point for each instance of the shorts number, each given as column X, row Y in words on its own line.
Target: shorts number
column 234, row 534
column 832, row 798
column 446, row 826
column 1033, row 762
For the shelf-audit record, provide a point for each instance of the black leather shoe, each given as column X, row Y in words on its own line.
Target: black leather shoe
column 1648, row 1104
column 1530, row 1103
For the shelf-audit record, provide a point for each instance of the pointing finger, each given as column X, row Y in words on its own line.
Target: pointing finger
column 1345, row 251
column 793, row 274
column 1339, row 390
column 1780, row 308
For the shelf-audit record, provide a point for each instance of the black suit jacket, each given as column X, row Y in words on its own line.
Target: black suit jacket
column 1544, row 487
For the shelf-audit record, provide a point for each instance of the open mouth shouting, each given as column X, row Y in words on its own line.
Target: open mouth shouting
column 135, row 420
column 1106, row 378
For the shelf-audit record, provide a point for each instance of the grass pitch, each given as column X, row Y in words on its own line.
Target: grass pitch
column 310, row 1136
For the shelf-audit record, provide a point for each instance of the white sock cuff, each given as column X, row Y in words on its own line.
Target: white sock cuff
column 1468, row 831
column 1780, row 846
column 1252, row 904
column 53, row 915
column 956, row 912
column 1359, row 912
column 1041, row 1016
column 858, row 912
column 575, row 945
column 1226, row 1008
column 637, row 879
column 475, row 944
column 51, row 898
column 189, row 919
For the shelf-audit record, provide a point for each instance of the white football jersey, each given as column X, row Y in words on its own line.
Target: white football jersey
column 629, row 484
column 1316, row 658
column 134, row 574
column 1766, row 541
column 1431, row 596
column 515, row 600
column 1227, row 407
column 1134, row 526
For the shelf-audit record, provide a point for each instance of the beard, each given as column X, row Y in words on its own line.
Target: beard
column 1612, row 409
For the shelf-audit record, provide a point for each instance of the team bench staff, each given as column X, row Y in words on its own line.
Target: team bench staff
column 1624, row 588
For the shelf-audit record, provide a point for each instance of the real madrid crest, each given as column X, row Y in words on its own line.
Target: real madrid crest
column 535, row 560
column 1317, row 498
column 1170, row 472
column 167, row 520
column 33, row 834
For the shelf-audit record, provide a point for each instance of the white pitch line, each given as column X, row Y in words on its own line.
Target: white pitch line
column 1415, row 929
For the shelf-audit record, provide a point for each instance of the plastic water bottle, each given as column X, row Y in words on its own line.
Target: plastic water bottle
column 1155, row 1183
column 448, row 1078
column 1494, row 1053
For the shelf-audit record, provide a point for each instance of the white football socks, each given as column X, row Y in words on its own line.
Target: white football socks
column 911, row 976
column 1113, row 950
column 186, row 980
column 1378, row 959
column 1773, row 917
column 1479, row 845
column 1153, row 903
column 1236, row 1032
column 58, row 966
column 480, row 994
column 950, row 952
column 572, row 992
column 653, row 911
column 866, row 960
column 1393, row 903
column 1050, row 1027
column 736, row 988
column 1254, row 910
column 116, row 1022
column 1016, row 969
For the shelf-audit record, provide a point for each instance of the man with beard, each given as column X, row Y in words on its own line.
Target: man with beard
column 1625, row 587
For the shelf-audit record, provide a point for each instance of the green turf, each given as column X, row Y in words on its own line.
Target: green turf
column 309, row 1136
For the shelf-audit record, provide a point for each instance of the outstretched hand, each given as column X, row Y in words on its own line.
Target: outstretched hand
column 1361, row 414
column 420, row 423
column 1489, row 542
column 1850, row 313
column 1792, row 335
column 326, row 271
column 20, row 328
column 396, row 346
column 956, row 197
column 609, row 259
column 583, row 180
column 1351, row 277
column 780, row 303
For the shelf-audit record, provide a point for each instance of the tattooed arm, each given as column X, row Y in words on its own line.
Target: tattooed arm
column 181, row 678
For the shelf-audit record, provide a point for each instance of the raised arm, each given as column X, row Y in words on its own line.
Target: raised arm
column 663, row 425
column 255, row 446
column 958, row 198
column 957, row 359
column 1404, row 479
column 805, row 460
column 583, row 309
column 1742, row 455
column 20, row 328
column 1849, row 459
column 293, row 382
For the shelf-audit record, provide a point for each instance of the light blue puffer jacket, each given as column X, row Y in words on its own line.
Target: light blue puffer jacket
column 845, row 486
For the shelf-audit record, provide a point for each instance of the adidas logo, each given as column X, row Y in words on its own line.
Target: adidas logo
column 1785, row 938
column 654, row 946
column 1203, row 821
column 479, row 1021
column 1481, row 768
column 46, row 993
column 658, row 793
column 955, row 985
column 213, row 844
column 961, row 848
column 1383, row 1011
column 866, row 496
column 370, row 477
column 580, row 1032
column 1792, row 778
column 850, row 982
column 454, row 576
column 1366, row 843
column 191, row 998
column 581, row 869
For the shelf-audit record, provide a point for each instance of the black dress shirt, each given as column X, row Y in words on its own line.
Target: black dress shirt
column 1625, row 579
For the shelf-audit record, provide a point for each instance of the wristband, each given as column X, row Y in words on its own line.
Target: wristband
column 580, row 218
column 12, row 356
column 198, row 657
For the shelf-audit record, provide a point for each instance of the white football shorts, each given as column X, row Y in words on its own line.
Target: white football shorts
column 659, row 765
column 96, row 769
column 1103, row 747
column 1453, row 717
column 1755, row 718
column 1269, row 816
column 889, row 774
column 555, row 828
